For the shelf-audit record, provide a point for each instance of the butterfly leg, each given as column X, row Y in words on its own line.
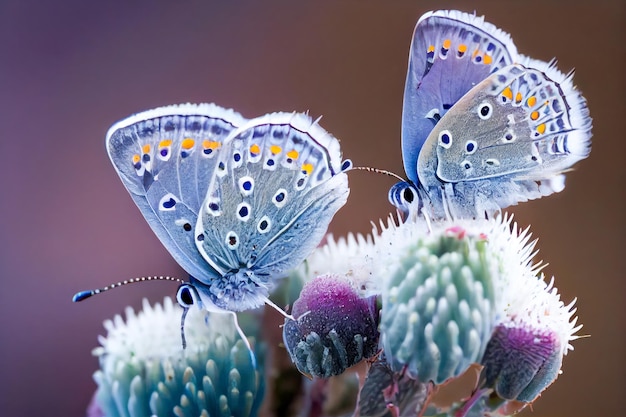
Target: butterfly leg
column 446, row 194
column 244, row 338
column 182, row 327
column 426, row 216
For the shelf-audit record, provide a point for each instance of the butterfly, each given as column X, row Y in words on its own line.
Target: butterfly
column 483, row 127
column 237, row 203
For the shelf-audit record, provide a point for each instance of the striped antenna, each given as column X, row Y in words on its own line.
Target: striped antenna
column 81, row 295
column 380, row 171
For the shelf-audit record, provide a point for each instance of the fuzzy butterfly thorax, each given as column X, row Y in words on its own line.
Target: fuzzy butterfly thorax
column 483, row 127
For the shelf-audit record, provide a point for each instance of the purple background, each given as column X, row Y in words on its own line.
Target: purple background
column 69, row 69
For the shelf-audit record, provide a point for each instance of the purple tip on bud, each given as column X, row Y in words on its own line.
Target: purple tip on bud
column 334, row 327
column 521, row 362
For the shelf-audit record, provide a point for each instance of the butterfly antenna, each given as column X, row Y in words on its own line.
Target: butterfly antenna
column 380, row 171
column 81, row 295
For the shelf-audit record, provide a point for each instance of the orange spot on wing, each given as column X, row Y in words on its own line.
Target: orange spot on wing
column 518, row 97
column 275, row 149
column 255, row 149
column 136, row 159
column 165, row 143
column 210, row 144
column 307, row 168
column 462, row 48
column 534, row 115
column 431, row 48
column 541, row 128
column 531, row 101
column 292, row 154
column 508, row 93
column 146, row 148
column 447, row 43
column 187, row 143
column 487, row 59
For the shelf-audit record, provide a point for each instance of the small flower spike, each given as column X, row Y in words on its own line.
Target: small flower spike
column 144, row 370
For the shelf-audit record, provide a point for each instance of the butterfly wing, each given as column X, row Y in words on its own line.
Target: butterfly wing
column 278, row 184
column 166, row 158
column 509, row 139
column 450, row 53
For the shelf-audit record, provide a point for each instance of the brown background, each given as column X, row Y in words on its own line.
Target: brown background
column 68, row 69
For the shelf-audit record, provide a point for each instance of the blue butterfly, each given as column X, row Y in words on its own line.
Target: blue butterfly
column 238, row 203
column 483, row 127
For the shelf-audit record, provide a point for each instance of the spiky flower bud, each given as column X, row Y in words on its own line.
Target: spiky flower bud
column 455, row 294
column 334, row 328
column 438, row 301
column 144, row 370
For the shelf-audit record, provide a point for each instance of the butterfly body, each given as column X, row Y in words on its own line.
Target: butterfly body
column 237, row 203
column 483, row 127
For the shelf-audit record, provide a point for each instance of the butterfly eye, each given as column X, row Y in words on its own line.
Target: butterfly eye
column 186, row 295
column 445, row 139
column 408, row 195
column 404, row 197
column 485, row 110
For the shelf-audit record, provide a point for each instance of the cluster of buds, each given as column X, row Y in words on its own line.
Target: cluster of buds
column 419, row 304
column 452, row 296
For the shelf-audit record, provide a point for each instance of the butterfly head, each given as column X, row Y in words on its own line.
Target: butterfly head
column 187, row 296
column 403, row 195
column 236, row 291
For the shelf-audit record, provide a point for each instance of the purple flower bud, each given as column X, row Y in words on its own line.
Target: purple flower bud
column 334, row 327
column 521, row 362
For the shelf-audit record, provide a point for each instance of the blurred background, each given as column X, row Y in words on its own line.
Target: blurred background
column 69, row 69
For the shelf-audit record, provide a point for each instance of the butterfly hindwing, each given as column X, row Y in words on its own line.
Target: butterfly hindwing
column 517, row 123
column 279, row 183
column 450, row 53
column 166, row 158
column 508, row 139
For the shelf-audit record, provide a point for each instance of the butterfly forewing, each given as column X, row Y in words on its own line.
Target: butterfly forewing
column 166, row 158
column 450, row 53
column 278, row 184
